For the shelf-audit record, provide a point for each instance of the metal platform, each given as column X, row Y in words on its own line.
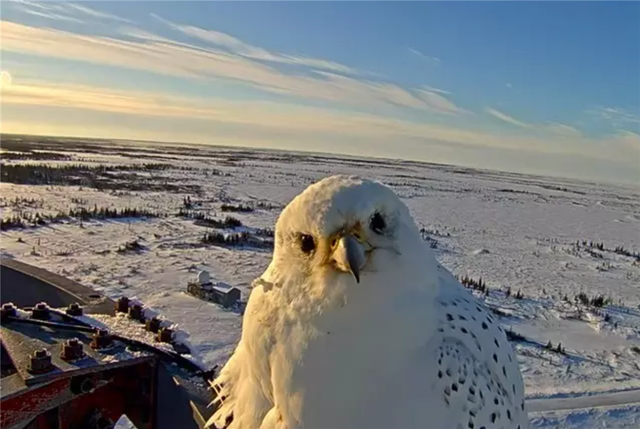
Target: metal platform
column 96, row 386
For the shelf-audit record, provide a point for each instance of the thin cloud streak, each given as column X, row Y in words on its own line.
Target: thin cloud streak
column 429, row 58
column 238, row 47
column 563, row 130
column 301, row 121
column 160, row 55
column 617, row 117
column 64, row 11
column 506, row 118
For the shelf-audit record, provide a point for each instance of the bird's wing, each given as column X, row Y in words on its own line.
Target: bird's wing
column 472, row 392
column 477, row 367
column 244, row 394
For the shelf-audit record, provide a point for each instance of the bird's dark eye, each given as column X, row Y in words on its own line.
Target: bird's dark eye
column 307, row 243
column 377, row 223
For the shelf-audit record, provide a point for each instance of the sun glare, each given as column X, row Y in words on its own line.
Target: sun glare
column 5, row 79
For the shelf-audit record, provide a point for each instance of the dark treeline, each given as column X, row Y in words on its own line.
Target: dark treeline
column 240, row 208
column 478, row 285
column 248, row 207
column 110, row 213
column 101, row 177
column 620, row 250
column 36, row 156
column 228, row 222
column 236, row 239
column 30, row 219
column 595, row 301
column 434, row 232
column 73, row 174
column 21, row 202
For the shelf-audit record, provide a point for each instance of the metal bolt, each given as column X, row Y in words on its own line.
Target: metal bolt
column 136, row 313
column 165, row 335
column 72, row 350
column 8, row 310
column 74, row 309
column 122, row 305
column 153, row 325
column 40, row 311
column 40, row 362
column 101, row 339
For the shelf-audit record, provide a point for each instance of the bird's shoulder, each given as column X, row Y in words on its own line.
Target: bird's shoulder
column 468, row 332
column 471, row 391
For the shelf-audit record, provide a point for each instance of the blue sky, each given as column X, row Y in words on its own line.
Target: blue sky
column 540, row 87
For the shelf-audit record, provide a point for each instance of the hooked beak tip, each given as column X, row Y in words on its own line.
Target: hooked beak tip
column 349, row 256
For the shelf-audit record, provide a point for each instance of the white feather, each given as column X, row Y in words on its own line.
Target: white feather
column 407, row 347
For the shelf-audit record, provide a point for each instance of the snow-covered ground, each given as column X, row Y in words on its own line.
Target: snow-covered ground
column 517, row 232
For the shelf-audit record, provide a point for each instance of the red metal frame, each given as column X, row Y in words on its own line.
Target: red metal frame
column 129, row 390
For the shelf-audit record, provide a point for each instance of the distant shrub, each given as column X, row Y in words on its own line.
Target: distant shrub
column 514, row 336
column 130, row 246
column 620, row 250
column 228, row 222
column 557, row 349
column 241, row 208
column 596, row 301
column 470, row 283
column 101, row 177
column 235, row 239
column 30, row 219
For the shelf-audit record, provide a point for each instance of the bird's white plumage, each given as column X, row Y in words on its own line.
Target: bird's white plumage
column 406, row 347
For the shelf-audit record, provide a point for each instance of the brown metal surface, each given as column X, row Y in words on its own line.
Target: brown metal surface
column 21, row 341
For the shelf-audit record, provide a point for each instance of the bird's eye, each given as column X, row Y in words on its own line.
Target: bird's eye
column 377, row 223
column 307, row 243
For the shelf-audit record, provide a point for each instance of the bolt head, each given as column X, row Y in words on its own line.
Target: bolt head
column 165, row 335
column 8, row 306
column 73, row 342
column 41, row 306
column 42, row 353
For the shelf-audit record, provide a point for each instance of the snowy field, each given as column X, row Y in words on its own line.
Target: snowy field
column 537, row 243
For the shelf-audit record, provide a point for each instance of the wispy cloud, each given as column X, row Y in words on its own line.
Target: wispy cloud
column 437, row 102
column 297, row 122
column 562, row 130
column 95, row 13
column 429, row 58
column 508, row 85
column 164, row 56
column 51, row 15
column 616, row 116
column 432, row 89
column 238, row 47
column 556, row 129
column 506, row 118
column 64, row 11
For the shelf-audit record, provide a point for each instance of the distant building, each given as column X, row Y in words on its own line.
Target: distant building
column 219, row 292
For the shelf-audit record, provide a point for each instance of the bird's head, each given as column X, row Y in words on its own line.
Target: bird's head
column 349, row 228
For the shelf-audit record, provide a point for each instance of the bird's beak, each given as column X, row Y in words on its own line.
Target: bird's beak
column 349, row 255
